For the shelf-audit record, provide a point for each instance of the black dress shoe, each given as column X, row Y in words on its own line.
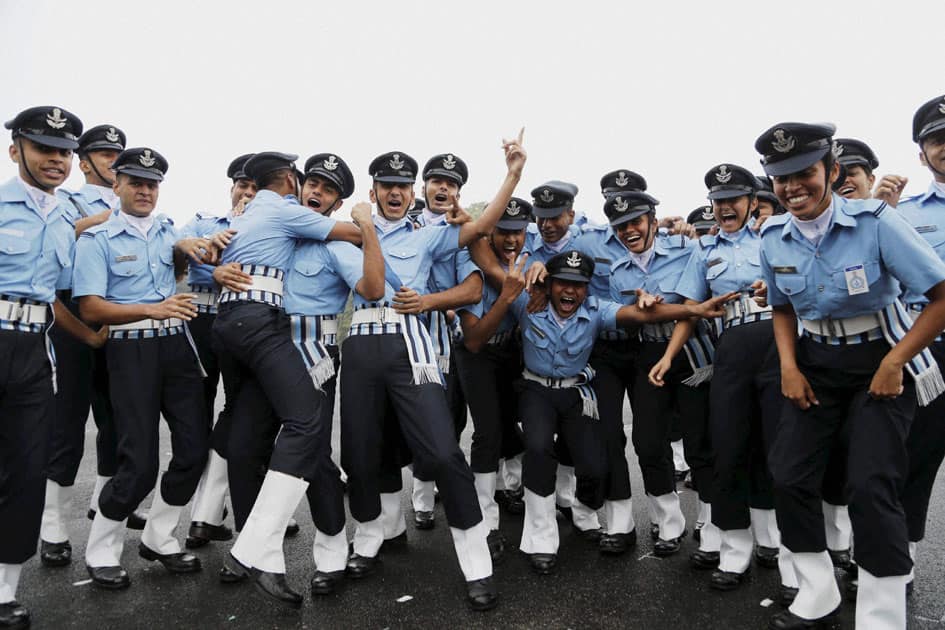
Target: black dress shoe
column 841, row 558
column 360, row 566
column 325, row 582
column 14, row 615
column 55, row 554
column 496, row 542
column 654, row 532
column 291, row 529
column 233, row 570
column 482, row 594
column 727, row 580
column 201, row 533
column 592, row 536
column 663, row 548
column 704, row 560
column 697, row 532
column 786, row 620
column 275, row 586
column 786, row 595
column 566, row 513
column 617, row 544
column 136, row 520
column 181, row 562
column 397, row 543
column 680, row 475
column 767, row 557
column 111, row 578
column 511, row 501
column 543, row 563
column 424, row 520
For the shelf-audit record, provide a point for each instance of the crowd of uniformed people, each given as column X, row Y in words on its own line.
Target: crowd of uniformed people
column 790, row 332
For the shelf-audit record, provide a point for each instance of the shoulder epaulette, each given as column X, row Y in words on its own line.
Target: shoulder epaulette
column 708, row 240
column 206, row 215
column 777, row 220
column 92, row 231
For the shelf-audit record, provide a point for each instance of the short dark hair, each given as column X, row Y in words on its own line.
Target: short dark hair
column 264, row 181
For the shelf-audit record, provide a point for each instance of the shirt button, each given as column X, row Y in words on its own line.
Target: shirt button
column 820, row 288
column 738, row 247
column 153, row 266
column 816, row 254
column 738, row 264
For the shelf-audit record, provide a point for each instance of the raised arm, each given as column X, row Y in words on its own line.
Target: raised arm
column 478, row 331
column 371, row 284
column 631, row 315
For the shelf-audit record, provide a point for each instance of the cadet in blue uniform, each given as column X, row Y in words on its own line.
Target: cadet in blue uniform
column 125, row 277
column 388, row 356
column 252, row 336
column 926, row 213
column 745, row 396
column 655, row 263
column 837, row 267
column 208, row 510
column 556, row 395
column 454, row 281
column 36, row 245
column 613, row 360
column 81, row 375
column 488, row 366
column 703, row 221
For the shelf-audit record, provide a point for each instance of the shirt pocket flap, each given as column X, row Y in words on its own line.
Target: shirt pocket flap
column 789, row 283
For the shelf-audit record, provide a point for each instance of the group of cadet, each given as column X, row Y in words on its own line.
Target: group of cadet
column 790, row 331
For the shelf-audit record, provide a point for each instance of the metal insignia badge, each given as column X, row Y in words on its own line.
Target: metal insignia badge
column 707, row 214
column 574, row 260
column 56, row 119
column 331, row 163
column 723, row 176
column 513, row 209
column 111, row 135
column 941, row 107
column 838, row 149
column 620, row 205
column 450, row 162
column 622, row 179
column 396, row 163
column 146, row 159
column 546, row 196
column 782, row 143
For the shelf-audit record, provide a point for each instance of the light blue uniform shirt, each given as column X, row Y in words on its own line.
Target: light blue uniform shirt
column 670, row 257
column 267, row 230
column 723, row 263
column 489, row 297
column 814, row 280
column 85, row 202
column 536, row 248
column 114, row 261
column 203, row 225
column 34, row 251
column 600, row 243
column 410, row 252
column 321, row 276
column 450, row 270
column 562, row 352
column 926, row 213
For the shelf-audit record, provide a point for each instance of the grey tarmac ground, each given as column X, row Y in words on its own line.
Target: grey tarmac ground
column 637, row 590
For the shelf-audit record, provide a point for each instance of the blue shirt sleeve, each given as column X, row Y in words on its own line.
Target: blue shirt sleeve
column 465, row 267
column 301, row 222
column 442, row 240
column 907, row 255
column 692, row 284
column 607, row 315
column 90, row 271
column 775, row 296
column 348, row 262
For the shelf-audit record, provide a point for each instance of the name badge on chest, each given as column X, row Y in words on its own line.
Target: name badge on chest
column 925, row 229
column 128, row 258
column 856, row 280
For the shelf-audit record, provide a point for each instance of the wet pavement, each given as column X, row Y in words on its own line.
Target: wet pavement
column 419, row 585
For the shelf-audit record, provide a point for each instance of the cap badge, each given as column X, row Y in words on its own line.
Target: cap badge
column 782, row 143
column 111, row 135
column 723, row 176
column 838, row 149
column 574, row 260
column 546, row 196
column 146, row 159
column 622, row 179
column 331, row 163
column 56, row 119
column 620, row 205
column 396, row 163
column 941, row 107
column 707, row 214
column 513, row 209
column 450, row 162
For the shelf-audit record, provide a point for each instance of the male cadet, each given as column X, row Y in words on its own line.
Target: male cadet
column 36, row 244
column 266, row 369
column 388, row 356
column 81, row 375
column 455, row 281
column 612, row 358
column 125, row 277
column 208, row 510
column 926, row 213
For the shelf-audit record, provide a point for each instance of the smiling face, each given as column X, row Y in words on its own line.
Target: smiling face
column 243, row 189
column 732, row 213
column 805, row 194
column 392, row 199
column 320, row 195
column 437, row 191
column 41, row 166
column 858, row 183
column 566, row 296
column 553, row 229
column 638, row 233
column 138, row 195
column 96, row 166
column 507, row 244
column 933, row 154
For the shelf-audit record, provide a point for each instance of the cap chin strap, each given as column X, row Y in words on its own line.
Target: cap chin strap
column 929, row 162
column 97, row 174
column 26, row 167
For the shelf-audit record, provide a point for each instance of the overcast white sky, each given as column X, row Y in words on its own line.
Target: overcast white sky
column 667, row 89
